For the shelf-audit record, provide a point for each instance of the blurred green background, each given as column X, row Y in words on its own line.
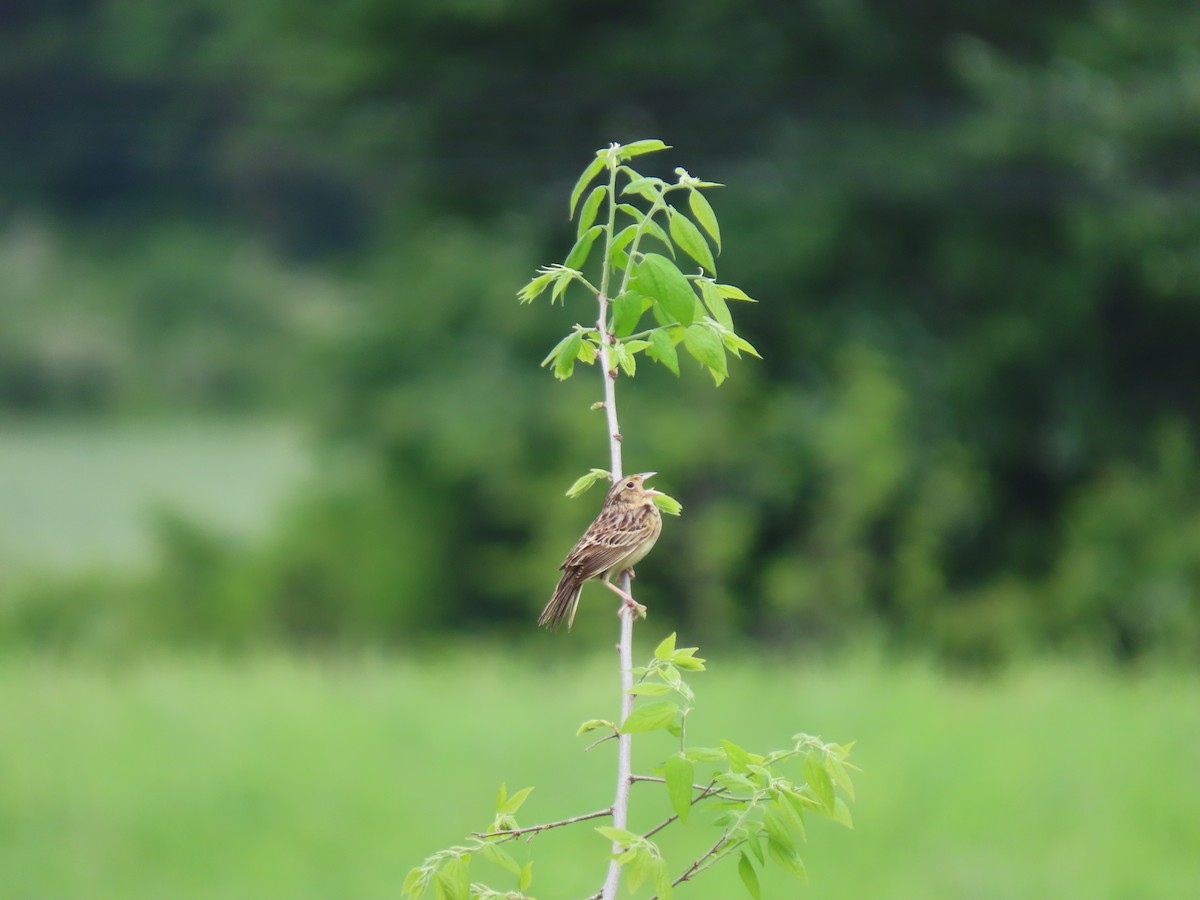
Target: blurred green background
column 281, row 483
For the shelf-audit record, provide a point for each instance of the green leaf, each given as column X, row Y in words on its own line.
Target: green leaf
column 579, row 253
column 639, row 867
column 414, row 883
column 716, row 303
column 501, row 797
column 649, row 689
column 749, row 877
column 493, row 853
column 777, row 830
column 671, row 507
column 587, row 351
column 514, row 803
column 627, row 310
column 837, row 769
column 568, row 352
column 788, row 858
column 689, row 239
column 735, row 344
column 687, row 659
column 841, row 813
column 705, row 754
column 647, row 187
column 679, row 773
column 535, row 287
column 454, row 878
column 659, row 278
column 616, row 254
column 738, row 758
column 618, row 835
column 707, row 348
column 819, row 781
column 593, row 169
column 625, row 358
column 666, row 648
column 585, row 482
column 662, row 349
column 703, row 212
column 650, row 717
column 593, row 724
column 729, row 292
column 662, row 880
column 591, row 205
column 526, row 877
column 655, row 231
column 637, row 148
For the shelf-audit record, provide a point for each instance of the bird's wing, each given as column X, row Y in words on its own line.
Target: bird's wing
column 607, row 541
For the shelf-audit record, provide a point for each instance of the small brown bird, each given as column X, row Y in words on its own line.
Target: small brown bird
column 627, row 527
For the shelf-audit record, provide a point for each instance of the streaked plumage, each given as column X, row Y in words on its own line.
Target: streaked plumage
column 627, row 527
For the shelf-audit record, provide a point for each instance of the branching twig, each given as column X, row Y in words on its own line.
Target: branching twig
column 700, row 864
column 534, row 830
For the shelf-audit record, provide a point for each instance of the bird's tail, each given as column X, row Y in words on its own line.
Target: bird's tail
column 564, row 602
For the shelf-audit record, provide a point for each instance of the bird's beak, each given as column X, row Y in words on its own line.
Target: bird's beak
column 650, row 491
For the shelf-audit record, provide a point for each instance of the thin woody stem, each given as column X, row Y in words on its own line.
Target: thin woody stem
column 544, row 826
column 608, row 371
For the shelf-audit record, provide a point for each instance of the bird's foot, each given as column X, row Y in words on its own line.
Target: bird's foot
column 638, row 609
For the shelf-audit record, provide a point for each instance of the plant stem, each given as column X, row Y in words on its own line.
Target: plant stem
column 620, row 808
column 544, row 826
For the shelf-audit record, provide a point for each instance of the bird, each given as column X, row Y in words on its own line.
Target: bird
column 627, row 527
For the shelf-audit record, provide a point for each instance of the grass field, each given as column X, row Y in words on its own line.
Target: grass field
column 282, row 778
column 76, row 494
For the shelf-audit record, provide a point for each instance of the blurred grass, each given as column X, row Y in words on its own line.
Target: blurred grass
column 281, row 777
column 74, row 494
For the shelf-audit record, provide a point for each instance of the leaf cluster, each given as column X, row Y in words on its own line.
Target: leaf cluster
column 626, row 213
column 759, row 801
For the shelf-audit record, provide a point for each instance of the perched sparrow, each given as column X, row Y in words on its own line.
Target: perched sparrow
column 623, row 533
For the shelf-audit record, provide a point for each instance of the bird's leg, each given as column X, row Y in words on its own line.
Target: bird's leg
column 629, row 601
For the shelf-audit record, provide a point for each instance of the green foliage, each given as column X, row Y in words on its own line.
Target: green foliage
column 761, row 799
column 643, row 281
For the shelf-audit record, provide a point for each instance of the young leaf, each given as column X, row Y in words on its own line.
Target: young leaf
column 788, row 858
column 703, row 212
column 729, row 292
column 593, row 724
column 666, row 648
column 819, row 781
column 540, row 282
column 637, row 148
column 749, row 877
column 679, row 773
column 738, row 758
column 689, row 239
column 686, row 659
column 662, row 880
column 625, row 358
column 587, row 215
column 627, row 311
column 659, row 278
column 650, row 717
column 704, row 344
column 650, row 689
column 587, row 351
column 618, row 835
column 593, row 169
column 662, row 349
column 705, row 754
column 579, row 253
column 564, row 363
column 647, row 187
column 716, row 303
column 841, row 813
column 736, row 344
column 513, row 803
column 501, row 797
column 638, row 869
column 584, row 482
column 667, row 503
column 526, row 877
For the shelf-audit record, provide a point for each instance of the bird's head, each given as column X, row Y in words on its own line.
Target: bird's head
column 631, row 490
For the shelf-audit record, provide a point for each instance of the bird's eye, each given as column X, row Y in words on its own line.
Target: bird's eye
column 629, row 484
